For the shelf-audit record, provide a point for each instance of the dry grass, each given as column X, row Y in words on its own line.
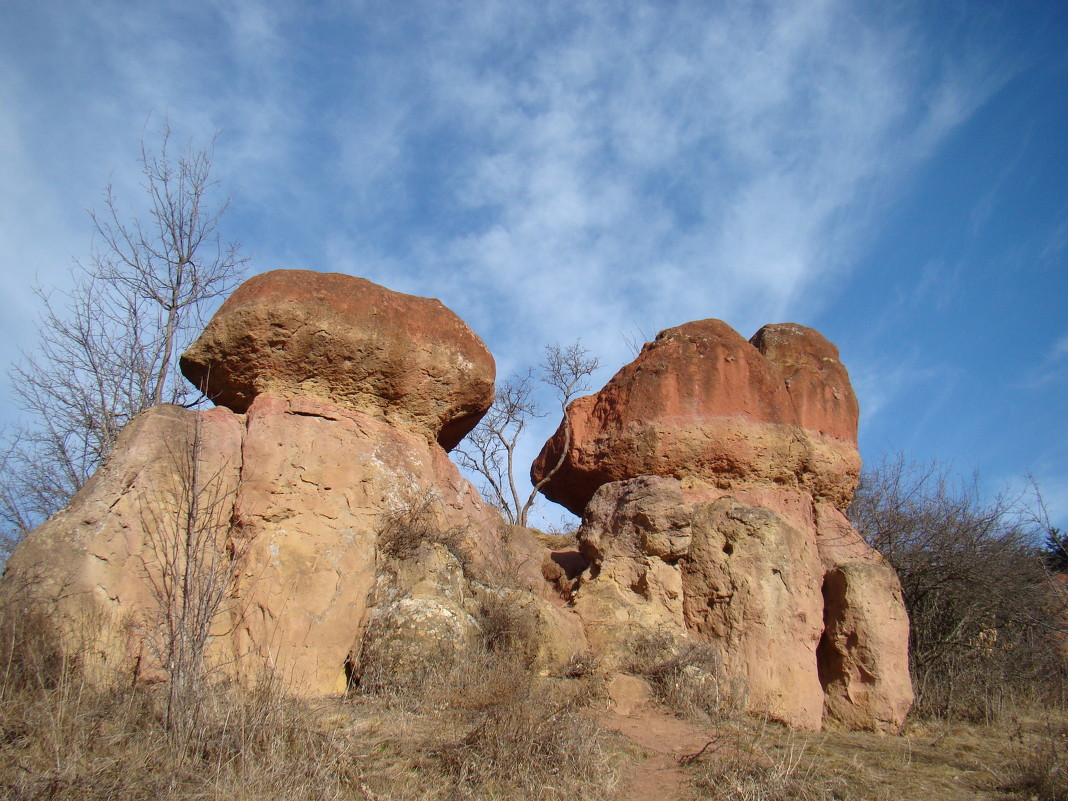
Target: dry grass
column 756, row 761
column 1040, row 755
column 687, row 676
column 480, row 725
column 414, row 522
column 751, row 776
column 485, row 727
column 500, row 733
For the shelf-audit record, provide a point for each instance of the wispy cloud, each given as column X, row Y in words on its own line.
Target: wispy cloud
column 551, row 171
column 1052, row 368
column 596, row 165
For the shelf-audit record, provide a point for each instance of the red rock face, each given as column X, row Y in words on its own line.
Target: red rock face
column 703, row 405
column 296, row 489
column 815, row 378
column 346, row 341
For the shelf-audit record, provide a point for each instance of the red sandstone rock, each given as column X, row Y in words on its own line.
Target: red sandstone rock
column 702, row 405
column 349, row 342
column 712, row 474
column 93, row 566
column 807, row 617
column 815, row 378
column 297, row 488
column 863, row 656
column 751, row 584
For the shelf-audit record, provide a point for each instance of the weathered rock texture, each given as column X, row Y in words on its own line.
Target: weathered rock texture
column 712, row 474
column 346, row 341
column 702, row 405
column 327, row 472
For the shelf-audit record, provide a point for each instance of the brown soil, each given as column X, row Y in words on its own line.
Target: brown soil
column 661, row 740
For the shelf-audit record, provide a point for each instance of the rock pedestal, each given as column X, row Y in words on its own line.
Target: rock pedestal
column 345, row 341
column 312, row 529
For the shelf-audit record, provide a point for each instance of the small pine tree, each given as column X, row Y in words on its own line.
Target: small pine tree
column 1056, row 550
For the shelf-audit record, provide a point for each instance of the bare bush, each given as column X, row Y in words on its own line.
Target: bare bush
column 506, row 626
column 537, row 745
column 413, row 522
column 108, row 348
column 687, row 675
column 190, row 565
column 30, row 651
column 1041, row 763
column 985, row 620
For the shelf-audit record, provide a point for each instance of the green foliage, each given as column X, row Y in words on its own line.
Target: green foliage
column 1056, row 550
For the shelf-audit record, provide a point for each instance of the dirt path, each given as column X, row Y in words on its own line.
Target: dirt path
column 663, row 739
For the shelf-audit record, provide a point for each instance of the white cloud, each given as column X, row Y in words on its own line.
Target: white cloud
column 551, row 171
column 1060, row 349
column 660, row 165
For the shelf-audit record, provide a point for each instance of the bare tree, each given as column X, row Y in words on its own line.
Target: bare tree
column 490, row 449
column 986, row 621
column 190, row 565
column 108, row 347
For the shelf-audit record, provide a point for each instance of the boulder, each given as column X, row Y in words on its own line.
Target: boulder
column 419, row 624
column 862, row 664
column 751, row 583
column 815, row 378
column 725, row 572
column 97, row 566
column 321, row 488
column 703, row 405
column 348, row 342
column 809, row 623
column 296, row 495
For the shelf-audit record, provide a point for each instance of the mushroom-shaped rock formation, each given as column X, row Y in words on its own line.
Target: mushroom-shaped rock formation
column 815, row 378
column 349, row 342
column 712, row 474
column 280, row 517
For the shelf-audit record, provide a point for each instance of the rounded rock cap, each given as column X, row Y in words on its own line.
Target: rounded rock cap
column 701, row 403
column 347, row 341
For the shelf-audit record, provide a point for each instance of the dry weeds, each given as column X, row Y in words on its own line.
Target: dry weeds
column 687, row 676
column 756, row 761
column 481, row 725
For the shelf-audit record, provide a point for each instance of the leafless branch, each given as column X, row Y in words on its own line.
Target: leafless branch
column 108, row 347
column 489, row 450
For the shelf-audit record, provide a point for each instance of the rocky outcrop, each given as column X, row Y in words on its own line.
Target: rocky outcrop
column 348, row 342
column 751, row 583
column 97, row 566
column 326, row 472
column 312, row 528
column 317, row 484
column 712, row 474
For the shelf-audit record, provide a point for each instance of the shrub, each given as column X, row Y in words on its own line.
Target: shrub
column 985, row 616
column 1042, row 764
column 687, row 675
column 753, row 776
column 416, row 520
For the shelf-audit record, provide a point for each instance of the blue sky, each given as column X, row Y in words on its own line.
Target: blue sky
column 894, row 174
